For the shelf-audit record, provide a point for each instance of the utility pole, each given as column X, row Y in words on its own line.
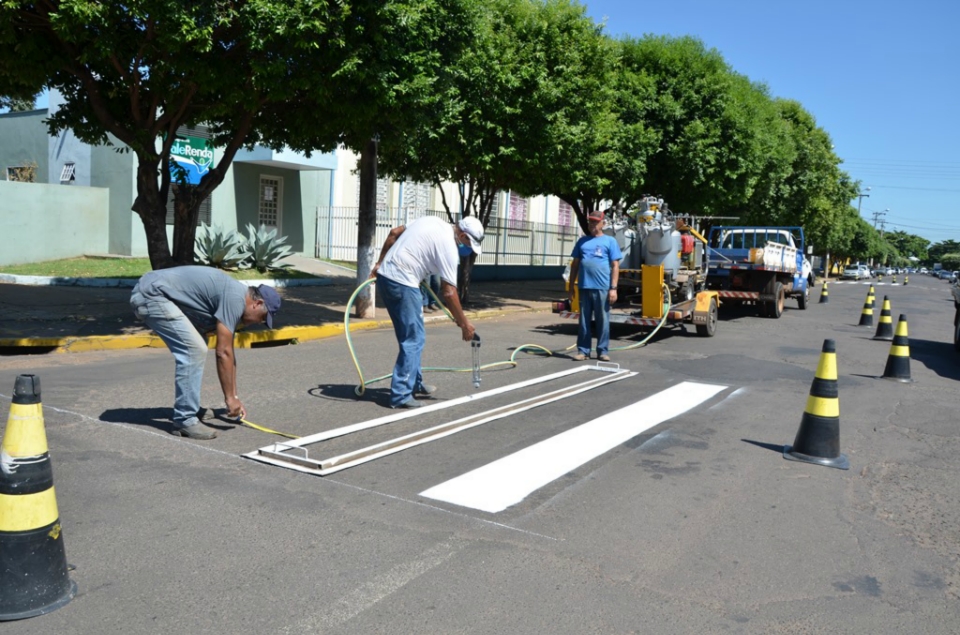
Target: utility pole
column 861, row 196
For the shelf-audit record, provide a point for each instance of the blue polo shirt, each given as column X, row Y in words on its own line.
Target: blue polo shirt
column 596, row 255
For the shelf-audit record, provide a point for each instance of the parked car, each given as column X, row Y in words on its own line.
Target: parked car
column 943, row 274
column 855, row 272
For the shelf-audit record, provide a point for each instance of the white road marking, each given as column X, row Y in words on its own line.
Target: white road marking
column 507, row 481
column 367, row 595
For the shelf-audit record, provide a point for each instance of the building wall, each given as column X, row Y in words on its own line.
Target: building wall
column 23, row 141
column 116, row 171
column 45, row 222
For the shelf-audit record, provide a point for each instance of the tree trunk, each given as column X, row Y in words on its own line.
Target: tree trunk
column 153, row 215
column 463, row 278
column 366, row 229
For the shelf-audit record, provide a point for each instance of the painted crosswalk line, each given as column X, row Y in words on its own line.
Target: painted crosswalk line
column 507, row 481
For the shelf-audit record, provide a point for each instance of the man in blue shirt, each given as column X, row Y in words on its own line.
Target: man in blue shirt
column 596, row 258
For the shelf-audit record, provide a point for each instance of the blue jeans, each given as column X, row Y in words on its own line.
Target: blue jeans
column 189, row 350
column 405, row 306
column 595, row 307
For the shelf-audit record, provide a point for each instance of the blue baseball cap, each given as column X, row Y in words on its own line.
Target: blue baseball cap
column 271, row 300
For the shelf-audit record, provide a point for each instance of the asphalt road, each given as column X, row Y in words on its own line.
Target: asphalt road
column 695, row 525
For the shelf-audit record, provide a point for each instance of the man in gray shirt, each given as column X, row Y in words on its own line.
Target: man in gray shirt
column 183, row 305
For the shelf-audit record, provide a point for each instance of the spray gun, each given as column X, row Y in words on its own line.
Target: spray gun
column 475, row 346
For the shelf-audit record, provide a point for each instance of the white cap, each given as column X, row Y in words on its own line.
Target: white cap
column 473, row 228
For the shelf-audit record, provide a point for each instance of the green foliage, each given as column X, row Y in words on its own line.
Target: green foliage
column 265, row 249
column 223, row 249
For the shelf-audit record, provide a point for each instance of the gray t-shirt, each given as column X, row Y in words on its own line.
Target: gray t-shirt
column 204, row 294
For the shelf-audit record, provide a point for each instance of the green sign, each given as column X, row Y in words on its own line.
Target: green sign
column 192, row 155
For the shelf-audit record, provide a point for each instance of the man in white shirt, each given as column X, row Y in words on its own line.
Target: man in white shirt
column 411, row 253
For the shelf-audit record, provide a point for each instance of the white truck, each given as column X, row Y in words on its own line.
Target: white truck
column 762, row 265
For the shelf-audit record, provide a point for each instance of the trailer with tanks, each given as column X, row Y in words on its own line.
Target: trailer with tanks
column 662, row 275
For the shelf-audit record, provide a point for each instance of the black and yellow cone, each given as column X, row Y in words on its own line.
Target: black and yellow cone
column 818, row 439
column 898, row 361
column 906, row 280
column 894, row 280
column 33, row 563
column 824, row 294
column 866, row 316
column 885, row 325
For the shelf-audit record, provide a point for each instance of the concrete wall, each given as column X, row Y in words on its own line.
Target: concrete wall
column 47, row 222
column 23, row 141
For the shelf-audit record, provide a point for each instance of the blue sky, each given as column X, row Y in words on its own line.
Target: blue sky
column 880, row 77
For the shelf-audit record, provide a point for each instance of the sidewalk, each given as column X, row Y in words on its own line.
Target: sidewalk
column 80, row 318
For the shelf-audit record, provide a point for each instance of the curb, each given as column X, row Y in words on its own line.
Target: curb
column 128, row 283
column 287, row 334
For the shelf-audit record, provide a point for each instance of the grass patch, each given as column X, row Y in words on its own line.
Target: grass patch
column 85, row 267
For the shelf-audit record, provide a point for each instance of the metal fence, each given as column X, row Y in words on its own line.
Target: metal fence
column 506, row 242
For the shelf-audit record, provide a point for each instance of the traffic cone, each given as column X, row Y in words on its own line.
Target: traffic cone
column 818, row 439
column 898, row 361
column 33, row 563
column 824, row 294
column 906, row 280
column 866, row 316
column 894, row 280
column 885, row 326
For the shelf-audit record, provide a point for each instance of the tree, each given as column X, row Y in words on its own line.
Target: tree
column 490, row 128
column 298, row 74
column 712, row 126
column 17, row 104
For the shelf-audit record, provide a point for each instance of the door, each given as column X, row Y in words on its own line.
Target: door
column 271, row 202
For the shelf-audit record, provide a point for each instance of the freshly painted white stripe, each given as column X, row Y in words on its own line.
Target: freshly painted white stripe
column 507, row 481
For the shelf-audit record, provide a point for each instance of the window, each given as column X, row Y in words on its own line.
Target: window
column 23, row 173
column 67, row 173
column 271, row 200
column 517, row 213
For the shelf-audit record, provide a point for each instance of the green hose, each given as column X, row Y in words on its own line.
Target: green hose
column 362, row 386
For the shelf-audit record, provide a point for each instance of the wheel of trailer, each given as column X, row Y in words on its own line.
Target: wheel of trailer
column 775, row 307
column 710, row 328
column 804, row 299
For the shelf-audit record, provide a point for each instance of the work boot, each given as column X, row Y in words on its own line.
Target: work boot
column 579, row 357
column 408, row 404
column 196, row 431
column 604, row 358
column 205, row 414
column 425, row 389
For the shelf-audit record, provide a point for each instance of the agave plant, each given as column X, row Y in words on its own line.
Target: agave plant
column 223, row 249
column 265, row 250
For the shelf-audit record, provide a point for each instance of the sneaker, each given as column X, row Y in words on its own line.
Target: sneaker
column 409, row 403
column 579, row 357
column 425, row 389
column 604, row 358
column 196, row 431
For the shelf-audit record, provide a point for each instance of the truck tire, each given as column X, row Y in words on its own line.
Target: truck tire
column 710, row 328
column 803, row 299
column 775, row 306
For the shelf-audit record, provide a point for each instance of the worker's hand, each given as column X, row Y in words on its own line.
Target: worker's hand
column 613, row 296
column 373, row 271
column 235, row 408
column 467, row 331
